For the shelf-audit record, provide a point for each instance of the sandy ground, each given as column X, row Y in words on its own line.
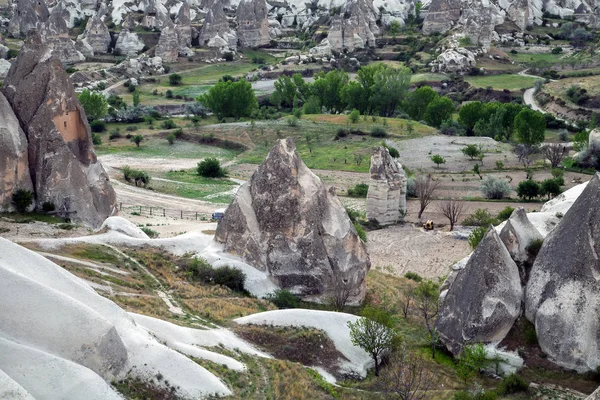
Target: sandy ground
column 148, row 163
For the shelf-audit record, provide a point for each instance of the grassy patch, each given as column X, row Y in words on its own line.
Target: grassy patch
column 211, row 190
column 29, row 217
column 499, row 82
column 530, row 58
column 428, row 77
column 95, row 252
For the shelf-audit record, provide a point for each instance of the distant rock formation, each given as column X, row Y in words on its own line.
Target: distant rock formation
column 284, row 222
column 484, row 301
column 28, row 15
column 594, row 139
column 253, row 23
column 136, row 67
column 56, row 34
column 168, row 46
column 128, row 43
column 517, row 234
column 157, row 15
column 354, row 27
column 96, row 35
column 456, row 60
column 563, row 291
column 62, row 164
column 386, row 199
column 215, row 30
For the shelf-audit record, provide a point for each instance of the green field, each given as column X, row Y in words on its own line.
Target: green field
column 500, row 82
column 189, row 185
column 428, row 77
column 530, row 58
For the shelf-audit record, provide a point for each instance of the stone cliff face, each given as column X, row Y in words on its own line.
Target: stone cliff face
column 62, row 164
column 128, row 43
column 386, row 199
column 253, row 24
column 168, row 46
column 28, row 15
column 97, row 35
column 354, row 27
column 215, row 30
column 283, row 221
column 55, row 33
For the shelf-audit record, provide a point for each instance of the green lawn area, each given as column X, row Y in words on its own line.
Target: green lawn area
column 428, row 77
column 527, row 58
column 192, row 186
column 499, row 82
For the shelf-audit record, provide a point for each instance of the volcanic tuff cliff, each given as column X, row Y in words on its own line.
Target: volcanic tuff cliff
column 61, row 160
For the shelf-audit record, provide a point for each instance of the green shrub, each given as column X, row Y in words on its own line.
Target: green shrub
column 201, row 270
column 413, row 276
column 169, row 94
column 132, row 128
column 48, row 207
column 22, row 199
column 114, row 135
column 355, row 214
column 494, row 188
column 359, row 190
column 476, row 236
column 312, row 106
column 96, row 139
column 292, row 121
column 528, row 189
column 175, row 79
column 437, row 159
column 393, row 151
column 171, row 138
column 151, row 233
column 341, row 133
column 533, row 248
column 512, row 383
column 228, row 56
column 98, row 126
column 530, row 334
column 505, row 214
column 210, row 167
column 481, row 217
column 168, row 124
column 379, row 132
column 354, row 116
column 283, row 299
column 360, row 231
column 231, row 277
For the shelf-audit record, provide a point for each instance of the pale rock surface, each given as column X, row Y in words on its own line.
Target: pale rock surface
column 284, row 222
column 216, row 31
column 356, row 32
column 28, row 15
column 184, row 29
column 4, row 67
column 386, row 198
column 323, row 49
column 55, row 33
column 168, row 46
column 128, row 43
column 137, row 67
column 594, row 140
column 59, row 137
column 9, row 389
column 594, row 396
column 485, row 299
column 96, row 34
column 157, row 15
column 455, row 60
column 562, row 295
column 517, row 234
column 252, row 23
column 124, row 226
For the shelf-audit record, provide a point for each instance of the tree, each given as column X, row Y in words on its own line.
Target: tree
column 470, row 151
column 175, row 79
column 339, row 295
column 437, row 159
column 439, row 110
column 394, row 28
column 230, row 99
column 550, row 188
column 452, row 210
column 406, row 377
column 328, row 89
column 424, row 188
column 407, row 296
column 470, row 114
column 210, row 167
column 290, row 89
column 171, row 138
column 427, row 295
column 530, row 127
column 472, row 360
column 555, row 153
column 94, row 104
column 136, row 98
column 528, row 189
column 418, row 100
column 354, row 116
column 389, row 89
column 374, row 333
column 22, row 199
column 137, row 139
column 477, row 170
column 495, row 188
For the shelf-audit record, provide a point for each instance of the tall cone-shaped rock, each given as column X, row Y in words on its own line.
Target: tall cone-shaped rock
column 168, row 48
column 485, row 299
column 518, row 234
column 563, row 291
column 386, row 199
column 253, row 25
column 62, row 162
column 285, row 222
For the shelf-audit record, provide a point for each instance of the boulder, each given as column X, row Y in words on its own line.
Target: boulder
column 386, row 198
column 594, row 140
column 62, row 162
column 322, row 50
column 517, row 234
column 27, row 15
column 14, row 160
column 4, row 67
column 215, row 30
column 286, row 223
column 128, row 43
column 137, row 67
column 484, row 300
column 124, row 226
column 253, row 23
column 168, row 46
column 455, row 60
column 563, row 291
column 354, row 27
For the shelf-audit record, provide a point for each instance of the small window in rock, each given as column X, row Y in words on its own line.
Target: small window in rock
column 65, row 124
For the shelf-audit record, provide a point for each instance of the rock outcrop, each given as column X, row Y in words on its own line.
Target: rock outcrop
column 253, row 23
column 62, row 164
column 128, row 43
column 215, row 30
column 354, row 27
column 517, row 234
column 456, row 60
column 157, row 15
column 168, row 46
column 28, row 15
column 184, row 27
column 386, row 199
column 96, row 35
column 594, row 139
column 56, row 34
column 484, row 301
column 286, row 223
column 563, row 291
column 137, row 67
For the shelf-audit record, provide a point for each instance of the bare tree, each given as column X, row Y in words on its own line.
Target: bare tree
column 452, row 210
column 406, row 376
column 425, row 187
column 555, row 152
column 427, row 302
column 525, row 152
column 339, row 296
column 407, row 297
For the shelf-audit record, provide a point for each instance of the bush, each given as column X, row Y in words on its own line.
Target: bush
column 283, row 299
column 150, row 232
column 505, row 214
column 528, row 189
column 359, row 190
column 168, row 124
column 96, row 139
column 557, row 50
column 476, row 236
column 494, row 188
column 98, row 126
column 354, row 116
column 312, row 106
column 512, row 383
column 22, row 199
column 437, row 159
column 169, row 94
column 360, row 231
column 48, row 207
column 132, row 128
column 378, row 132
column 175, row 79
column 139, row 177
column 481, row 217
column 201, row 270
column 354, row 214
column 211, row 168
column 411, row 187
column 413, row 276
column 341, row 133
column 228, row 56
column 292, row 121
column 171, row 138
column 533, row 248
column 231, row 277
column 550, row 188
column 114, row 135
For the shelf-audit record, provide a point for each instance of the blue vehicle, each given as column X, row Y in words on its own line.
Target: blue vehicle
column 218, row 214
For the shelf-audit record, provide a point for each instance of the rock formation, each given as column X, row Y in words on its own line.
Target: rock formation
column 594, row 139
column 517, row 234
column 168, row 46
column 485, row 299
column 184, row 30
column 28, row 15
column 62, row 164
column 386, row 199
column 215, row 30
column 441, row 16
column 563, row 291
column 253, row 24
column 284, row 222
column 136, row 67
column 157, row 15
column 354, row 27
column 96, row 35
column 458, row 60
column 128, row 43
column 56, row 34
column 595, row 395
